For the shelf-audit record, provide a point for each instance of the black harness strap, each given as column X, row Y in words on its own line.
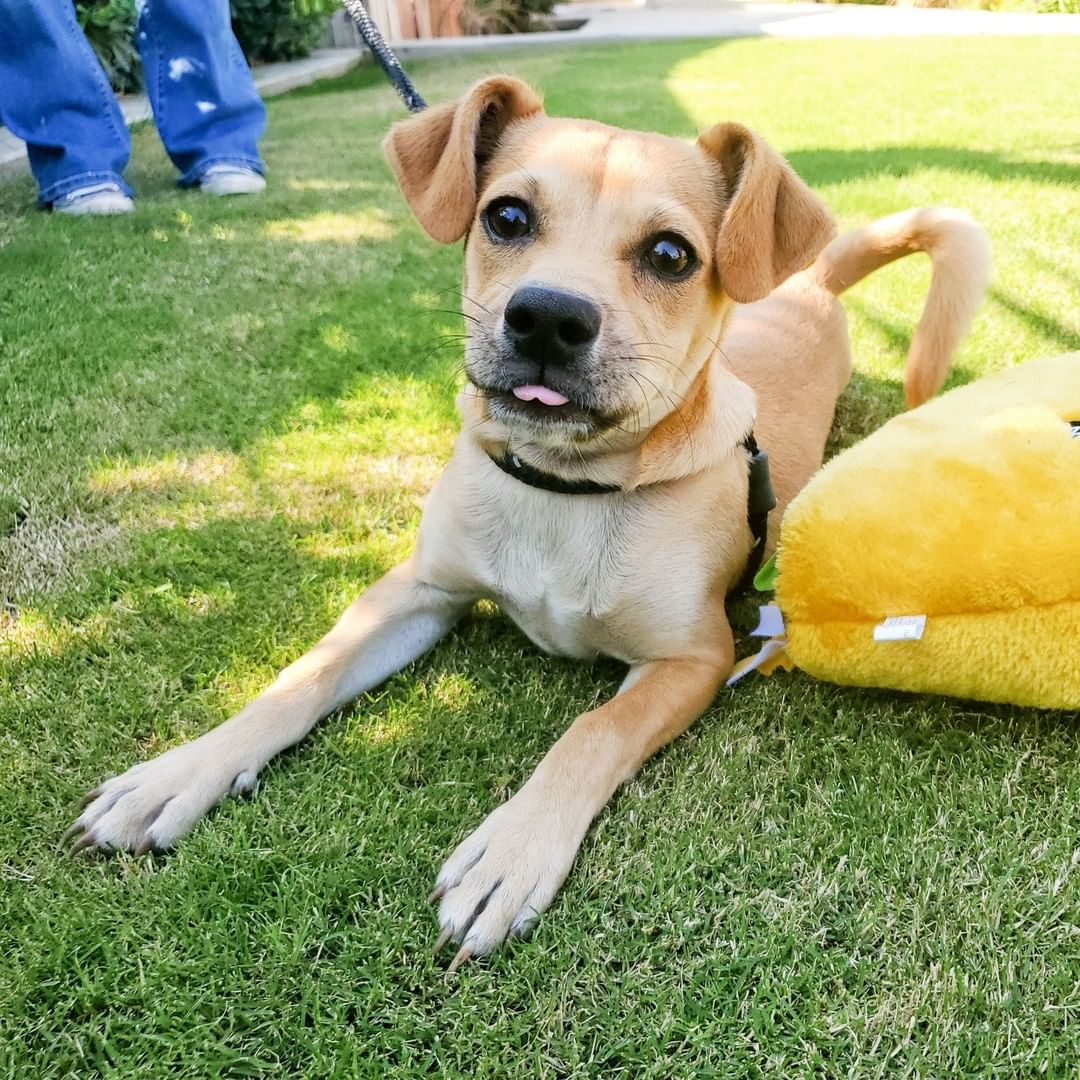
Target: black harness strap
column 760, row 499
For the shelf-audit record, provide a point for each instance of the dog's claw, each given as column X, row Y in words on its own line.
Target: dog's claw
column 436, row 894
column 82, row 843
column 88, row 798
column 463, row 954
column 440, row 943
column 142, row 849
column 73, row 831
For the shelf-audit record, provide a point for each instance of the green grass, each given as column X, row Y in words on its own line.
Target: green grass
column 218, row 421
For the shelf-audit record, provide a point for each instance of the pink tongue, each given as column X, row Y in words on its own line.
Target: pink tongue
column 543, row 394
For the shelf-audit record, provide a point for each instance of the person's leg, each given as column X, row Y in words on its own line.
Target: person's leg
column 205, row 103
column 54, row 95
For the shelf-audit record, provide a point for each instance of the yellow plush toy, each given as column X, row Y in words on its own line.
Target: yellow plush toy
column 942, row 554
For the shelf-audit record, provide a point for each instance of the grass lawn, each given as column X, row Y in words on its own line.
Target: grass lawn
column 219, row 419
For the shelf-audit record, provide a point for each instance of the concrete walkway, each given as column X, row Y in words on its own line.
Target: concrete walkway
column 732, row 18
column 270, row 79
column 650, row 20
column 645, row 20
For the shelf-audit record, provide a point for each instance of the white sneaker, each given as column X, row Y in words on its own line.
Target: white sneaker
column 103, row 198
column 231, row 180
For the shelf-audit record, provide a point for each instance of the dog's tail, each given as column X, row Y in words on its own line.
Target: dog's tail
column 960, row 255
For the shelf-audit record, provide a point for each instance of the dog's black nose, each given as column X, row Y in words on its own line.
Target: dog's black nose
column 551, row 326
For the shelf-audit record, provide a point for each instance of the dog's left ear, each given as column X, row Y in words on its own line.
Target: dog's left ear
column 437, row 156
column 773, row 224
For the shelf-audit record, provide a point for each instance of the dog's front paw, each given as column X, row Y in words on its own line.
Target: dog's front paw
column 500, row 879
column 155, row 803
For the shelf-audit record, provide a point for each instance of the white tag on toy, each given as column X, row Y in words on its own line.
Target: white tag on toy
column 770, row 622
column 901, row 628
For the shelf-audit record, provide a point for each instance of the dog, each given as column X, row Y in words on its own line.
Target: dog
column 637, row 308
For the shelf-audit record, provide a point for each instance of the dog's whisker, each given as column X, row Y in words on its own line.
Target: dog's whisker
column 428, row 312
column 667, row 395
column 716, row 345
column 678, row 412
column 454, row 311
column 644, row 397
column 675, row 360
column 473, row 300
column 437, row 348
column 656, row 359
column 669, row 391
column 651, row 345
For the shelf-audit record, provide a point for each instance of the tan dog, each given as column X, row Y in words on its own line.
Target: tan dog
column 602, row 267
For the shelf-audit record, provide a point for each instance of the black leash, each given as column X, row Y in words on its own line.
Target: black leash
column 384, row 55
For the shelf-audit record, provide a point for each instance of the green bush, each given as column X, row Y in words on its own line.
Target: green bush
column 109, row 26
column 266, row 29
column 279, row 29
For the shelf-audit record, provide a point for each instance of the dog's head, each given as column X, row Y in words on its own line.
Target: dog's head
column 600, row 263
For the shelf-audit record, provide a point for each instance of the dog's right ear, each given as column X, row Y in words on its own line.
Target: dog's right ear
column 438, row 154
column 773, row 225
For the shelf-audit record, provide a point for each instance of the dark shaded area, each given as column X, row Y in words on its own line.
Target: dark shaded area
column 1066, row 338
column 829, row 166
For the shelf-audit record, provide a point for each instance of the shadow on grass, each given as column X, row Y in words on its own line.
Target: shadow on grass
column 151, row 640
column 1065, row 338
column 830, row 166
column 1059, row 337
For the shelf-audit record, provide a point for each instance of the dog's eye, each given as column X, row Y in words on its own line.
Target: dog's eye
column 669, row 255
column 508, row 219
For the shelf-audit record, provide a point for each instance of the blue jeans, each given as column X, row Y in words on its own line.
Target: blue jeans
column 54, row 94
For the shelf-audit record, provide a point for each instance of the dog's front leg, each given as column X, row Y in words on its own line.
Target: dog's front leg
column 154, row 803
column 505, row 874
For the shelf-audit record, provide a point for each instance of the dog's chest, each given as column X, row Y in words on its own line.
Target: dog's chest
column 563, row 577
column 623, row 576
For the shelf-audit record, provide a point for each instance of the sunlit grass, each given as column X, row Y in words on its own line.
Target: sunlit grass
column 332, row 228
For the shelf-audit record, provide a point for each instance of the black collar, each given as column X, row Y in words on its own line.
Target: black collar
column 760, row 499
column 513, row 466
